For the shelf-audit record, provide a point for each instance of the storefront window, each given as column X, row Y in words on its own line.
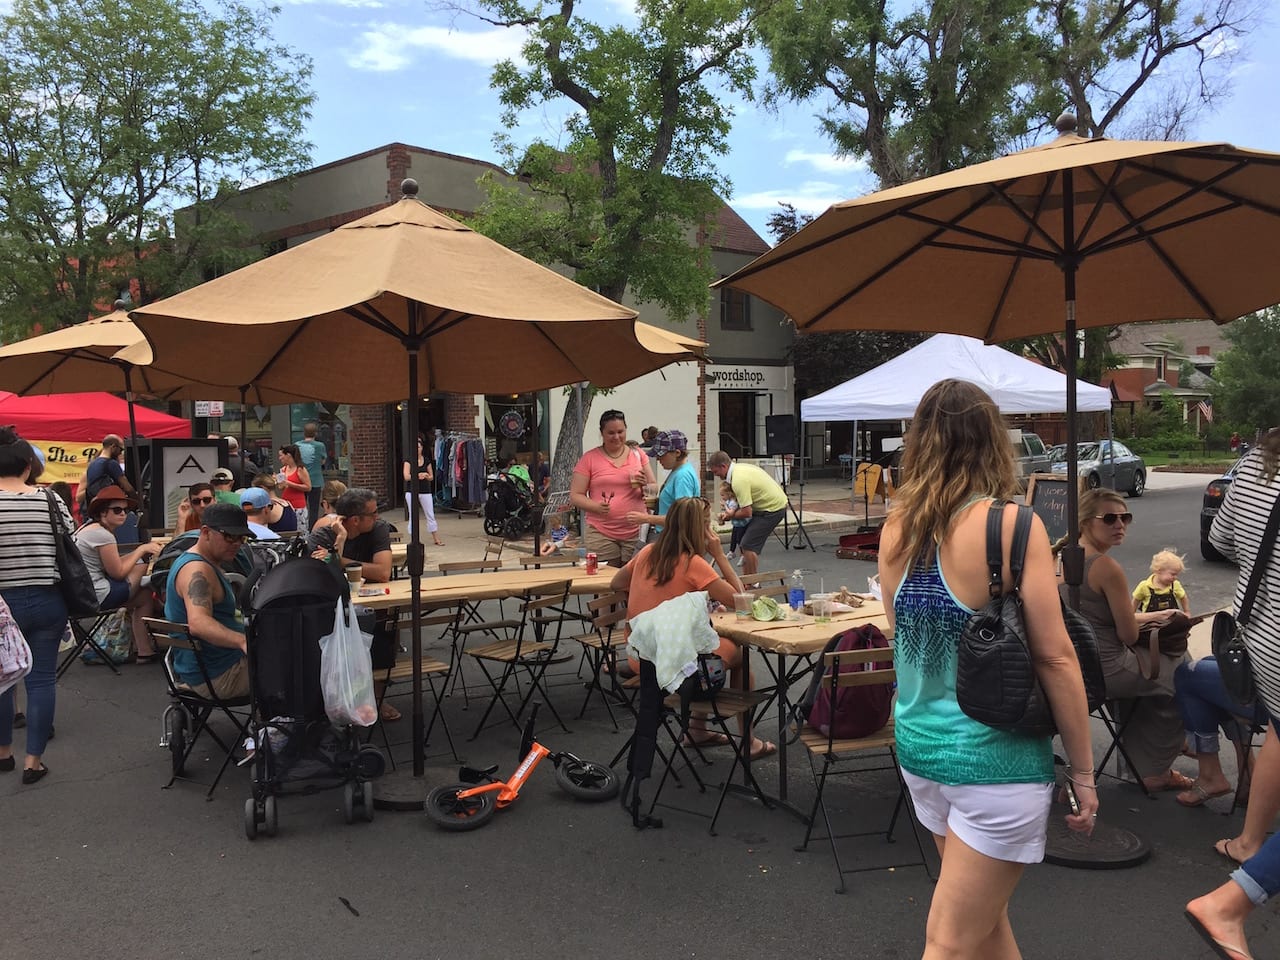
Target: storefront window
column 333, row 429
column 508, row 421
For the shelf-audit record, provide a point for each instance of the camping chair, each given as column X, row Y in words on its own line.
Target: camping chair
column 517, row 651
column 1116, row 715
column 829, row 756
column 188, row 716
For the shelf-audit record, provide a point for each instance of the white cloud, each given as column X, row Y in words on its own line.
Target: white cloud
column 825, row 162
column 392, row 46
column 812, row 196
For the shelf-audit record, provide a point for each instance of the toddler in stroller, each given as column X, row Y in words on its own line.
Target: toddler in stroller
column 508, row 507
column 288, row 610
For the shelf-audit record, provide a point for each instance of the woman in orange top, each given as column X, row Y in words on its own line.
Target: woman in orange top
column 674, row 565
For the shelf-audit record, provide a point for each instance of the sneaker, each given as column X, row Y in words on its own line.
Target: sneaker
column 738, row 563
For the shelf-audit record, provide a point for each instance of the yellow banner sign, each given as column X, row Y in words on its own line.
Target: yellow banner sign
column 65, row 460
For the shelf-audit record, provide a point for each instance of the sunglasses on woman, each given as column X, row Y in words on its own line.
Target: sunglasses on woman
column 1110, row 518
column 118, row 510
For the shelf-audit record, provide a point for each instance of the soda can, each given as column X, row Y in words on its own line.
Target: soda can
column 593, row 564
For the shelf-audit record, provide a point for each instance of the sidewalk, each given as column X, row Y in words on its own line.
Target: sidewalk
column 827, row 510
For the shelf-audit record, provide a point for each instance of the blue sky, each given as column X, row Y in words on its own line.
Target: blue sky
column 394, row 70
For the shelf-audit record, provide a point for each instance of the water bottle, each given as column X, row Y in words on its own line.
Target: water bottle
column 796, row 594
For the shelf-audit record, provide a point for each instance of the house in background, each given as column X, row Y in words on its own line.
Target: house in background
column 1176, row 357
column 723, row 404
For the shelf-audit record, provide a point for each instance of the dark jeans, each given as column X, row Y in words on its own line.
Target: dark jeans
column 1206, row 706
column 42, row 617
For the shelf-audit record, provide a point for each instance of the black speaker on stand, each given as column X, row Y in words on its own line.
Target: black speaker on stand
column 780, row 440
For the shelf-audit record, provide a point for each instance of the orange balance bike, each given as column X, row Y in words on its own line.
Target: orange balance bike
column 472, row 803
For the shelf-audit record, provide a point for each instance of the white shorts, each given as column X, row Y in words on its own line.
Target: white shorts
column 1004, row 821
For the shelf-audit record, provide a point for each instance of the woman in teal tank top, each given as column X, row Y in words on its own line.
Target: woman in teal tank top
column 983, row 792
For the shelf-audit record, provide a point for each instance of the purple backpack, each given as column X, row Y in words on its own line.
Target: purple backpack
column 857, row 711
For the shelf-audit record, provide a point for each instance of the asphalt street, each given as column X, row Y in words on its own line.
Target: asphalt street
column 100, row 862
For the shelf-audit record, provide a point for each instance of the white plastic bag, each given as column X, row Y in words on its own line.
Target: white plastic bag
column 15, row 655
column 346, row 672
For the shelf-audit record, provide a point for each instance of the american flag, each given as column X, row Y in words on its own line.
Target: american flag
column 1206, row 411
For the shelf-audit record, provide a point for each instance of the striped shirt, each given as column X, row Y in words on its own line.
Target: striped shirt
column 28, row 557
column 1237, row 534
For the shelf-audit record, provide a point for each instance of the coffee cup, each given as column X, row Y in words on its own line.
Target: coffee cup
column 355, row 573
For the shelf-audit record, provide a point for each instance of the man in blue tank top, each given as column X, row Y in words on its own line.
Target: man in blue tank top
column 200, row 596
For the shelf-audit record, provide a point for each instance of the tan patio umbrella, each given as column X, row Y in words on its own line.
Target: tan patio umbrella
column 340, row 313
column 1120, row 230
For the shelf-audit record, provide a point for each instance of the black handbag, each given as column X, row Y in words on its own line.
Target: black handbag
column 1228, row 637
column 74, row 580
column 996, row 682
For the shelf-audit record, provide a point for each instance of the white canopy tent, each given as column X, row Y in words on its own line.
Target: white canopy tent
column 892, row 390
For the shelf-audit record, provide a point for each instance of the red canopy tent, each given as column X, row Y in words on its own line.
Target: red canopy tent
column 69, row 427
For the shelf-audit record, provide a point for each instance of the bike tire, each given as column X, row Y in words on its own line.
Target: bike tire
column 447, row 812
column 585, row 780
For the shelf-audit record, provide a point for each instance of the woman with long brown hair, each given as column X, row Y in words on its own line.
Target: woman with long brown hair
column 674, row 565
column 983, row 792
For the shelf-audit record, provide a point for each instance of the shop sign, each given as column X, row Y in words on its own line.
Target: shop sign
column 746, row 378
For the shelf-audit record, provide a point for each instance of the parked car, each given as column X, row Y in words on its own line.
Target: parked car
column 1107, row 463
column 1214, row 494
column 1029, row 454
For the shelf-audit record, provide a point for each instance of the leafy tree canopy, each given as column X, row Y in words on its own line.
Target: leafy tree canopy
column 1248, row 374
column 115, row 115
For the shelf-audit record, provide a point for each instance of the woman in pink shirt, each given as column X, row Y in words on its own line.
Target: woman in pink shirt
column 608, row 482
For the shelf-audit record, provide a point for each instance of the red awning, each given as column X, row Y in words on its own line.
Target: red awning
column 84, row 417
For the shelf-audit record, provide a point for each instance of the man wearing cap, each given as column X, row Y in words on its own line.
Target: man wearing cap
column 255, row 502
column 222, row 481
column 355, row 534
column 671, row 449
column 199, row 595
column 760, row 499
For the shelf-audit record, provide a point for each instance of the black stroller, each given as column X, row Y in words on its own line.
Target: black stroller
column 288, row 609
column 508, row 507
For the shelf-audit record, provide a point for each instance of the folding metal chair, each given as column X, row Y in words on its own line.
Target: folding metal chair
column 517, row 652
column 600, row 649
column 87, row 637
column 1116, row 715
column 188, row 716
column 831, row 756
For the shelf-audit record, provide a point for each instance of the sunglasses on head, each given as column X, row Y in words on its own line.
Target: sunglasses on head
column 204, row 500
column 1110, row 518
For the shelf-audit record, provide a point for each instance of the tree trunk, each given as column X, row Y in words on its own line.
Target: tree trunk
column 569, row 441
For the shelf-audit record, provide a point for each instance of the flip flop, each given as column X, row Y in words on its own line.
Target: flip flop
column 1226, row 951
column 388, row 714
column 1176, row 781
column 1199, row 795
column 711, row 740
column 768, row 750
column 1223, row 849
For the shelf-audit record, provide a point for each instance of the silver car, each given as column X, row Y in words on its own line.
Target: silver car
column 1106, row 463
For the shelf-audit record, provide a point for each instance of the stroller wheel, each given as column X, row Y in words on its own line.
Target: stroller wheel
column 366, row 801
column 514, row 528
column 269, row 816
column 493, row 528
column 370, row 762
column 349, row 801
column 251, row 819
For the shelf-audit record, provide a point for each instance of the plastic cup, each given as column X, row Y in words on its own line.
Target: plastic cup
column 355, row 586
column 821, row 603
column 742, row 605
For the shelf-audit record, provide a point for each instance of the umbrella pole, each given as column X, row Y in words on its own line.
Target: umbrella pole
column 415, row 560
column 1072, row 553
column 533, row 472
column 134, row 453
column 244, row 435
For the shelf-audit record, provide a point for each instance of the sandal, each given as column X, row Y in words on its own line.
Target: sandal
column 1175, row 781
column 767, row 748
column 388, row 713
column 1197, row 796
column 1223, row 849
column 710, row 740
column 1227, row 951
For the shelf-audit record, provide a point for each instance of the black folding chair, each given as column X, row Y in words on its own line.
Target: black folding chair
column 88, row 637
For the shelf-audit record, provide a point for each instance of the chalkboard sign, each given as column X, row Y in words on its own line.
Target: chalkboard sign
column 1047, row 495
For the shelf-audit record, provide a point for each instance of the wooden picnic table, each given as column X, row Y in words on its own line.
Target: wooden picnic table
column 498, row 585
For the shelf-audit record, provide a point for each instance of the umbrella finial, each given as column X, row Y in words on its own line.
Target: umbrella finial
column 409, row 187
column 1066, row 122
column 120, row 305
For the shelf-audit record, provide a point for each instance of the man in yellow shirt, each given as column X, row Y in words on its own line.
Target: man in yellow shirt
column 759, row 498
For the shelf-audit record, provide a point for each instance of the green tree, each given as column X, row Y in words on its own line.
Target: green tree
column 628, row 198
column 115, row 115
column 1248, row 373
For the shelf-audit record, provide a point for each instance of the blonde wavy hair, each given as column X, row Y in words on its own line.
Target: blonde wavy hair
column 684, row 535
column 957, row 448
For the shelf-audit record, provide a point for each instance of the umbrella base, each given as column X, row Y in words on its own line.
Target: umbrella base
column 400, row 791
column 1110, row 847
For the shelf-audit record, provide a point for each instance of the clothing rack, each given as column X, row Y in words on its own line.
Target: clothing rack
column 459, row 487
